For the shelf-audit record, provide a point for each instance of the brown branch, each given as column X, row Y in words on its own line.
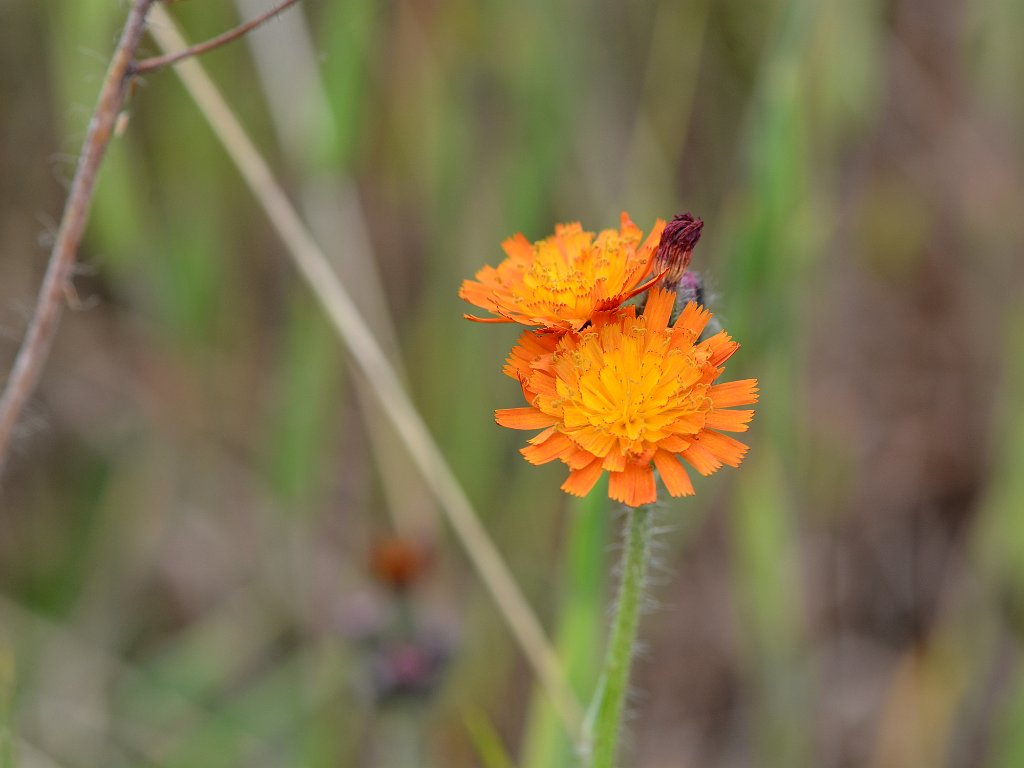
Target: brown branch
column 29, row 362
column 156, row 62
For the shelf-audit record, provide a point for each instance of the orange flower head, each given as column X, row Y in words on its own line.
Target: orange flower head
column 559, row 283
column 630, row 395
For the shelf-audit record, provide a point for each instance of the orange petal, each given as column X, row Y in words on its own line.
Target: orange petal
column 601, row 318
column 721, row 347
column 476, row 319
column 730, row 393
column 518, row 247
column 524, row 385
column 641, row 288
column 512, row 371
column 645, row 491
column 701, row 459
column 577, row 458
column 730, row 421
column 728, row 450
column 523, row 418
column 475, row 293
column 531, row 352
column 660, row 304
column 677, row 481
column 540, row 437
column 580, row 481
column 634, row 486
column 552, row 448
column 693, row 318
column 542, row 383
column 532, row 344
column 674, row 444
column 626, row 225
column 614, row 461
column 597, row 443
column 614, row 302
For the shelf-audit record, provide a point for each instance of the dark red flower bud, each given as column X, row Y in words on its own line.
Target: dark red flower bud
column 676, row 248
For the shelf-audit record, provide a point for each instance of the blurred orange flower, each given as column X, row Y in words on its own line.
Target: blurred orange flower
column 560, row 282
column 629, row 395
column 399, row 563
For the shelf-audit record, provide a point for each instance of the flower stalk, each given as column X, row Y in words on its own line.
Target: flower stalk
column 604, row 719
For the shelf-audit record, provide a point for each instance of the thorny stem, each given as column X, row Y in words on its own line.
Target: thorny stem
column 156, row 62
column 28, row 364
column 605, row 716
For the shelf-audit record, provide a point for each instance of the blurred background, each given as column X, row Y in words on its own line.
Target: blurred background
column 197, row 562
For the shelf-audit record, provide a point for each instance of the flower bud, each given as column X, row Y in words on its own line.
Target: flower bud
column 676, row 248
column 691, row 288
column 409, row 669
column 398, row 563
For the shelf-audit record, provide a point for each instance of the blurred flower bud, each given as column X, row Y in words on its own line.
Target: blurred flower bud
column 398, row 563
column 676, row 248
column 409, row 669
column 691, row 288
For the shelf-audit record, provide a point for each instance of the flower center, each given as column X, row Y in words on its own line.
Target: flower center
column 572, row 271
column 627, row 388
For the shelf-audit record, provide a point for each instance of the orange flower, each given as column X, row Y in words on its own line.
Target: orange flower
column 629, row 395
column 560, row 282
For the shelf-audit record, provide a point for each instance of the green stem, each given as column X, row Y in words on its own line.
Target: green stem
column 605, row 716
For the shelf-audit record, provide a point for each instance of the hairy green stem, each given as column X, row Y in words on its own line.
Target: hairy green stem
column 605, row 715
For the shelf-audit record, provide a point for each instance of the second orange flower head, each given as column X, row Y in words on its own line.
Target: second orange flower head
column 559, row 283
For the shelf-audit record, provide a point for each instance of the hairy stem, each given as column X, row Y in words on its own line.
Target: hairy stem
column 28, row 365
column 609, row 700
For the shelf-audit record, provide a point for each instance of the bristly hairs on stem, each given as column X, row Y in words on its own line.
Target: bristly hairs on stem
column 603, row 726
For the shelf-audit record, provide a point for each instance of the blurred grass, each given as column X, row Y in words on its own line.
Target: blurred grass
column 581, row 611
column 999, row 543
column 7, row 731
column 307, row 388
column 767, row 260
column 490, row 750
column 186, row 541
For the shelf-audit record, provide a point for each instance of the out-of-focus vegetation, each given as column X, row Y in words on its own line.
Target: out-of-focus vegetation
column 187, row 523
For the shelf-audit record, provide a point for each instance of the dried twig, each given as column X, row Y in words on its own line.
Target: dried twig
column 156, row 62
column 28, row 364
